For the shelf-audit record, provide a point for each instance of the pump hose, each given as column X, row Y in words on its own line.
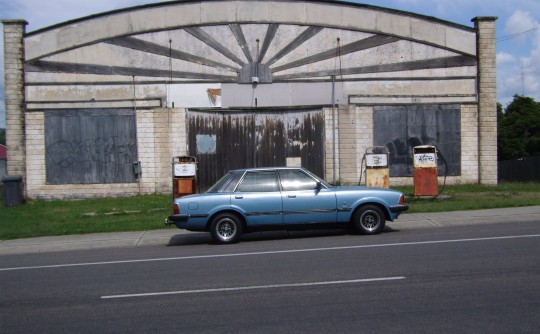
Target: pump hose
column 361, row 169
column 445, row 172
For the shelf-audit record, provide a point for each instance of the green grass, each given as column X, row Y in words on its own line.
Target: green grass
column 474, row 197
column 47, row 218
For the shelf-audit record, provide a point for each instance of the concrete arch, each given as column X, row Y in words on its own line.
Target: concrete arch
column 181, row 14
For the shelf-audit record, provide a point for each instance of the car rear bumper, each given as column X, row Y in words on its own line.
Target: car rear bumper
column 399, row 208
column 178, row 218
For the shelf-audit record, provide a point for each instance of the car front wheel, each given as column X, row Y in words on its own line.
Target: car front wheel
column 226, row 228
column 369, row 219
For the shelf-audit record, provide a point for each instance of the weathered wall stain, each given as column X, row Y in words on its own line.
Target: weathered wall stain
column 261, row 138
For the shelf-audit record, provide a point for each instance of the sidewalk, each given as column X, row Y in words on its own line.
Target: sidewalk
column 164, row 237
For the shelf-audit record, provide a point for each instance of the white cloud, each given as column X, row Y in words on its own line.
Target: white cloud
column 531, row 70
column 523, row 77
column 41, row 14
column 504, row 58
column 519, row 22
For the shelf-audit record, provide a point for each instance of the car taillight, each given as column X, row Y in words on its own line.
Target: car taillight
column 401, row 199
column 176, row 209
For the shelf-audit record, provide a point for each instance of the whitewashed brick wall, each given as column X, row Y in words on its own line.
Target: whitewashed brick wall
column 487, row 102
column 355, row 134
column 14, row 96
column 469, row 145
column 332, row 130
column 160, row 135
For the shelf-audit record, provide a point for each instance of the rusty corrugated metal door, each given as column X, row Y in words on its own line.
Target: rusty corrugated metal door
column 222, row 141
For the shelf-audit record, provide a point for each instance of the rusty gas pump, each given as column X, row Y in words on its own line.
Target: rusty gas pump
column 425, row 171
column 184, row 170
column 377, row 167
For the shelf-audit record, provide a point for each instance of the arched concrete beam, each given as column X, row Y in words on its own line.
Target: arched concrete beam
column 176, row 15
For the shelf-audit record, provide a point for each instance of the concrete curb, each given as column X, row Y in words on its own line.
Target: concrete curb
column 165, row 236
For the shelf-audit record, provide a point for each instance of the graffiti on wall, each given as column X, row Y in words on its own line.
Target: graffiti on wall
column 114, row 150
column 90, row 146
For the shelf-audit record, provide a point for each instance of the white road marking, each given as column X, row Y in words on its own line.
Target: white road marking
column 180, row 258
column 256, row 287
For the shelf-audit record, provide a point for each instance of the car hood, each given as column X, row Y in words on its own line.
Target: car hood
column 360, row 188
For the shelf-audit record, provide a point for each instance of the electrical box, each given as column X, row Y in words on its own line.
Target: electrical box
column 184, row 170
column 425, row 171
column 377, row 167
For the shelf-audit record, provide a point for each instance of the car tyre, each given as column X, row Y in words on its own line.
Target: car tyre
column 369, row 219
column 226, row 228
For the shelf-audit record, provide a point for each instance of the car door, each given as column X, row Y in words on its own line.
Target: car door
column 259, row 197
column 304, row 202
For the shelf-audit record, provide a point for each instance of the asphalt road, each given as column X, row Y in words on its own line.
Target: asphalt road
column 471, row 279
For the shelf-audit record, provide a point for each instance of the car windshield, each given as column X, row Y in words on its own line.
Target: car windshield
column 323, row 182
column 219, row 184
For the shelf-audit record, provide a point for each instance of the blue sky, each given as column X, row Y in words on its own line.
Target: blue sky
column 518, row 31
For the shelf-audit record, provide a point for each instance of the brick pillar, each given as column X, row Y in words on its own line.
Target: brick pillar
column 14, row 31
column 487, row 99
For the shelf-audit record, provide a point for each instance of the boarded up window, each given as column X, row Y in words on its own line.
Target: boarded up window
column 400, row 128
column 263, row 138
column 90, row 146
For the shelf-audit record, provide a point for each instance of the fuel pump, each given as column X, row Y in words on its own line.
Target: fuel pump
column 184, row 176
column 377, row 167
column 425, row 170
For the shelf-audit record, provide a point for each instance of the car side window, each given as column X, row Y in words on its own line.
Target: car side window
column 258, row 182
column 292, row 180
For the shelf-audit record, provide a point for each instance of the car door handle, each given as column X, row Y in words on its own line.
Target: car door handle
column 291, row 196
column 238, row 197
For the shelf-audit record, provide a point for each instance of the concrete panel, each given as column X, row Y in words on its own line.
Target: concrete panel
column 88, row 92
column 290, row 12
column 363, row 20
column 254, row 11
column 461, row 40
column 33, row 78
column 280, row 94
column 414, row 100
column 173, row 15
column 95, row 105
column 426, row 88
column 284, row 36
column 218, row 12
column 225, row 37
column 323, row 14
column 397, row 25
column 430, row 32
column 252, row 32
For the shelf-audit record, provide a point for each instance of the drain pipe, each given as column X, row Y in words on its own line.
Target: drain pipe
column 334, row 129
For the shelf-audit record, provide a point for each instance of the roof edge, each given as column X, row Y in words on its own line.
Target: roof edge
column 175, row 2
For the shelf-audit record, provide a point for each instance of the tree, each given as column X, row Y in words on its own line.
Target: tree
column 519, row 129
column 3, row 136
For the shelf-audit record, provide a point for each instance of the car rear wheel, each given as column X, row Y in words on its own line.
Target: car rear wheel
column 226, row 228
column 369, row 219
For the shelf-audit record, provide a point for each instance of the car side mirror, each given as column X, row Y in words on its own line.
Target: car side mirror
column 318, row 186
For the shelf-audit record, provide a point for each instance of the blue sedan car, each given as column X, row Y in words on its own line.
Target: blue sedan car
column 283, row 198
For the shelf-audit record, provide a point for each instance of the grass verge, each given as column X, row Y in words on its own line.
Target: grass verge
column 475, row 197
column 48, row 218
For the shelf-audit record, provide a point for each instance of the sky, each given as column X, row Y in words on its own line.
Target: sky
column 518, row 31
